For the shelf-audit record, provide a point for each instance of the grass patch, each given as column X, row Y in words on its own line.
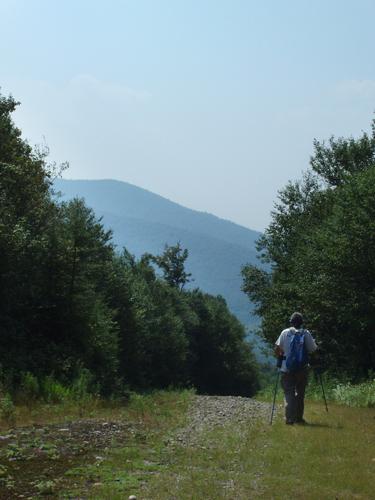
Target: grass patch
column 331, row 458
column 123, row 470
column 360, row 395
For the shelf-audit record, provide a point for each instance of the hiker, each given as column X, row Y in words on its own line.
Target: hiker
column 293, row 346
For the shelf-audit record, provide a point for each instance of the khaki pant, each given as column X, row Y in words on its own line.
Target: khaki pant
column 294, row 385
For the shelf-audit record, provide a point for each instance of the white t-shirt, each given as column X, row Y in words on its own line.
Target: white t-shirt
column 285, row 339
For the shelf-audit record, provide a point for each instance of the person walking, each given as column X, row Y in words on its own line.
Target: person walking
column 293, row 346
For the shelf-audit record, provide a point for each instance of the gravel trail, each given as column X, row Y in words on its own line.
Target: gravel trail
column 208, row 412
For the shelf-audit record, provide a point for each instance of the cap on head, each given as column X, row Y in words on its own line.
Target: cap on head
column 296, row 319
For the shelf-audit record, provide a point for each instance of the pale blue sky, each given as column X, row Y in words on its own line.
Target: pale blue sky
column 213, row 104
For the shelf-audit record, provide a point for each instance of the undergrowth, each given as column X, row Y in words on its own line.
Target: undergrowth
column 335, row 390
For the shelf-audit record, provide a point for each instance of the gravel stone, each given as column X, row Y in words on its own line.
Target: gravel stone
column 208, row 412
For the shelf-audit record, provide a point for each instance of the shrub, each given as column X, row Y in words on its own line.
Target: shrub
column 341, row 391
column 83, row 385
column 84, row 392
column 53, row 391
column 30, row 387
column 314, row 389
column 356, row 395
column 7, row 410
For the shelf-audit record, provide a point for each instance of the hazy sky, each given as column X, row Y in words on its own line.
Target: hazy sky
column 213, row 104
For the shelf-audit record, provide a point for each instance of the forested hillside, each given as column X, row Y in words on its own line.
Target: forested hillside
column 144, row 222
column 74, row 312
column 321, row 246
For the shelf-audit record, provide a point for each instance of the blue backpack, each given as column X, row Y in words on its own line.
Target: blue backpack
column 298, row 357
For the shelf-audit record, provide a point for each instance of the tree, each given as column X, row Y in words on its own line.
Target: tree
column 319, row 251
column 153, row 344
column 53, row 269
column 172, row 263
column 26, row 215
column 342, row 158
column 222, row 360
column 69, row 305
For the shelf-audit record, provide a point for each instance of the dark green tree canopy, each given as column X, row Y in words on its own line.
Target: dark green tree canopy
column 321, row 254
column 172, row 263
column 70, row 304
column 336, row 162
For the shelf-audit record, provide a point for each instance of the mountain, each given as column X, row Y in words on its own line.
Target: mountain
column 144, row 222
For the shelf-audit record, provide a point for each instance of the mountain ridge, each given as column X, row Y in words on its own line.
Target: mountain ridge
column 116, row 204
column 144, row 222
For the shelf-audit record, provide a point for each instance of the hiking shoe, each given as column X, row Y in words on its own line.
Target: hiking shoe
column 289, row 422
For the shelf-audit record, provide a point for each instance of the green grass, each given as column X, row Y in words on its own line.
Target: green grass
column 334, row 457
column 360, row 395
column 125, row 468
column 339, row 391
column 40, row 413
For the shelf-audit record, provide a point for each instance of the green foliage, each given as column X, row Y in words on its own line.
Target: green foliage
column 30, row 387
column 172, row 263
column 78, row 319
column 221, row 360
column 53, row 391
column 338, row 390
column 46, row 487
column 320, row 245
column 53, row 261
column 360, row 395
column 343, row 158
column 82, row 385
column 171, row 337
column 7, row 409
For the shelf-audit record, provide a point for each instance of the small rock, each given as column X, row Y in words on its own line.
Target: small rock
column 132, row 497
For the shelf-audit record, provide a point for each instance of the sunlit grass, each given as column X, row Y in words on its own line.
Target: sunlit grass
column 339, row 391
column 334, row 457
column 40, row 413
column 153, row 419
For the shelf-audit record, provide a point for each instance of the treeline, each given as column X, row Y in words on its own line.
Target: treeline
column 70, row 303
column 320, row 249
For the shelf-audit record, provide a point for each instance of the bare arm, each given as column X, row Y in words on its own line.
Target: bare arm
column 278, row 351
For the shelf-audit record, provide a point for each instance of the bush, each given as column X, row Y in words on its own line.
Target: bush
column 340, row 391
column 314, row 389
column 83, row 385
column 343, row 391
column 53, row 391
column 84, row 392
column 30, row 388
column 7, row 410
column 362, row 395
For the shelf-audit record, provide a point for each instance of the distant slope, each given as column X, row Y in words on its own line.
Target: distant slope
column 121, row 198
column 144, row 222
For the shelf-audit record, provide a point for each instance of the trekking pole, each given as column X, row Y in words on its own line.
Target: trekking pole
column 324, row 395
column 279, row 361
